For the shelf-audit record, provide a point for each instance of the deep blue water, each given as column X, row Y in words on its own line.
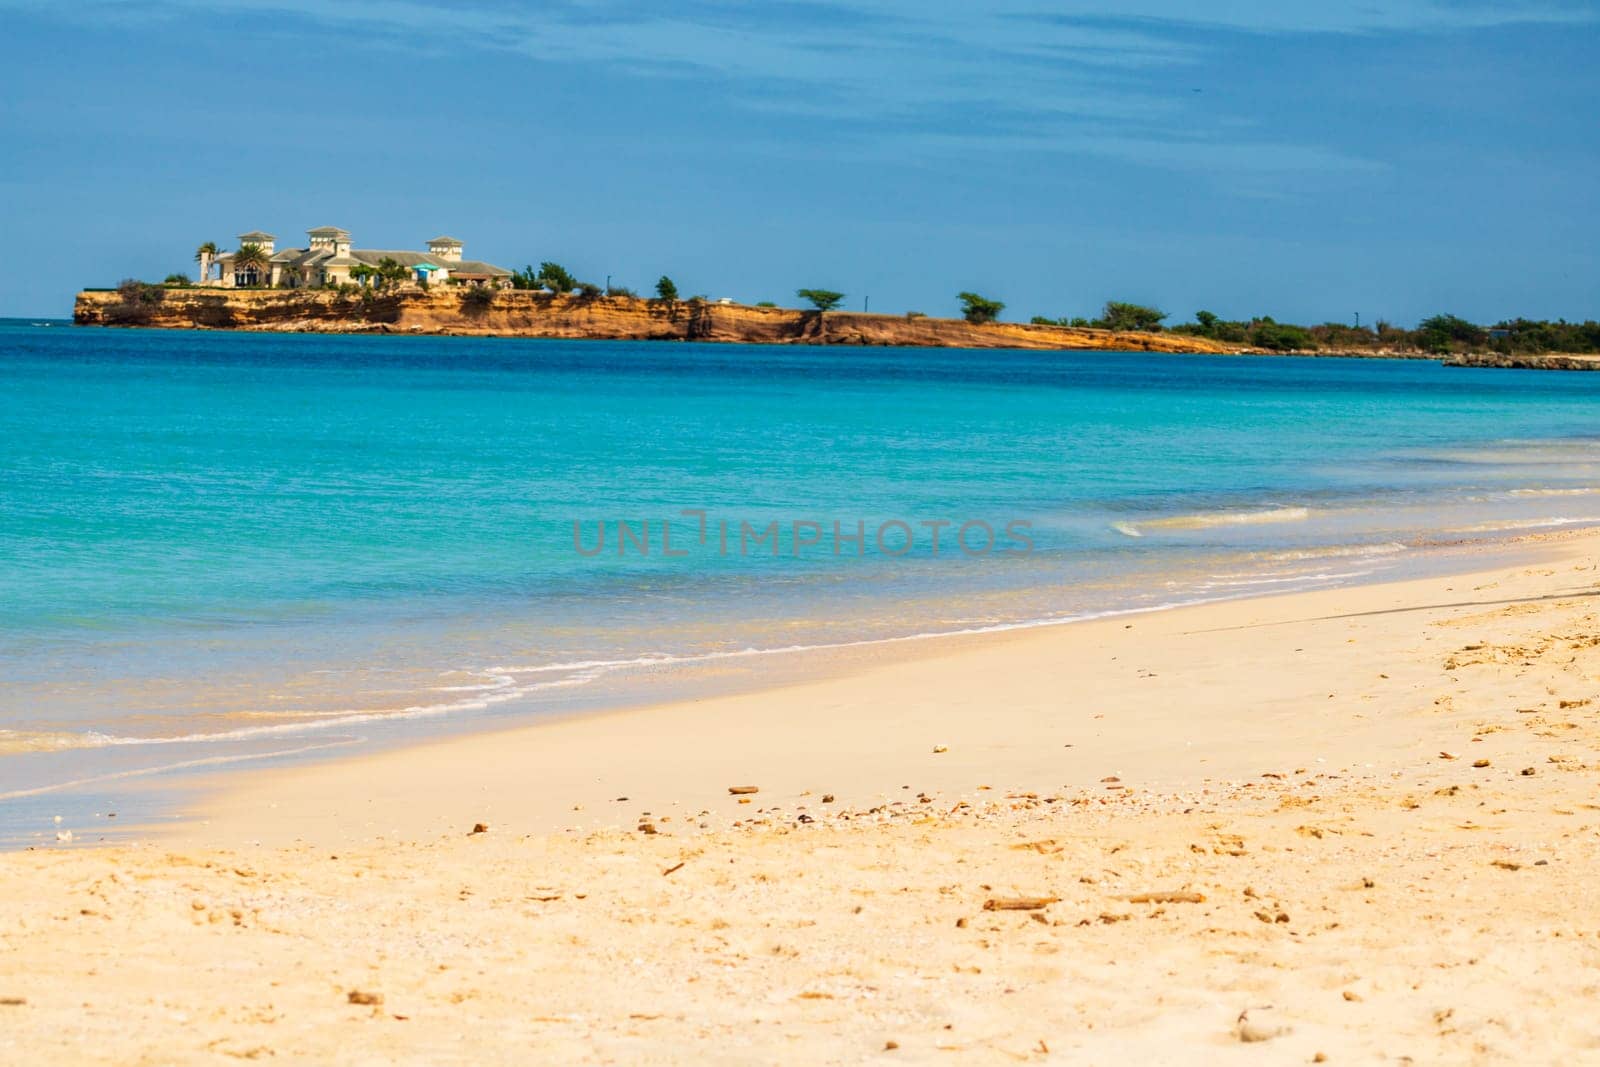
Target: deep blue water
column 216, row 544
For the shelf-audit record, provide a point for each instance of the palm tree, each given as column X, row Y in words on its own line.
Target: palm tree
column 206, row 255
column 251, row 258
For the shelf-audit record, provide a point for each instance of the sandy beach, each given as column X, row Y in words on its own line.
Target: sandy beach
column 1347, row 826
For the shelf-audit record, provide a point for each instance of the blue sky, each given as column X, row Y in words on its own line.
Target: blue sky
column 1306, row 160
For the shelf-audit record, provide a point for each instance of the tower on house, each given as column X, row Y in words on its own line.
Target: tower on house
column 330, row 239
column 446, row 248
column 256, row 237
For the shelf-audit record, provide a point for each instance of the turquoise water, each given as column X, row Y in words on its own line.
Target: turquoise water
column 219, row 547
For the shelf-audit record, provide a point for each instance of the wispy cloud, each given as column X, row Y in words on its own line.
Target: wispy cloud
column 1039, row 74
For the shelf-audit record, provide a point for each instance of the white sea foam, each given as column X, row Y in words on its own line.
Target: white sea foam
column 1205, row 520
column 1322, row 577
column 207, row 761
column 1526, row 524
column 1387, row 548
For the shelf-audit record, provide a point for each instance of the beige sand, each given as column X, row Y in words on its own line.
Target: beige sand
column 1301, row 772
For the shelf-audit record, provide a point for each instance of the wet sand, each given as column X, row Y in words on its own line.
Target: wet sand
column 1362, row 824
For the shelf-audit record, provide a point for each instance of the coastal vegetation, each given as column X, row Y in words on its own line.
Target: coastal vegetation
column 551, row 276
column 1438, row 335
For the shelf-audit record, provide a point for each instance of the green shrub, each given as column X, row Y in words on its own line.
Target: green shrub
column 477, row 298
column 137, row 302
column 1281, row 337
column 1137, row 318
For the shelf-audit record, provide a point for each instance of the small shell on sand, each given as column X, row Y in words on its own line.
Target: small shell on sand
column 1259, row 1024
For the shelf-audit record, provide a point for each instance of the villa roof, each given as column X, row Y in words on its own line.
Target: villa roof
column 301, row 257
column 477, row 266
column 324, row 257
column 444, row 240
column 327, row 231
column 374, row 256
column 256, row 235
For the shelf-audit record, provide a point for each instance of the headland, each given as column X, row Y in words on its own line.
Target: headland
column 531, row 313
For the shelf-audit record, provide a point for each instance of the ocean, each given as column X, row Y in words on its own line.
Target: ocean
column 218, row 549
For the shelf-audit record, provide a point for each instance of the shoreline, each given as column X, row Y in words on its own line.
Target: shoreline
column 728, row 676
column 313, row 801
column 1355, row 823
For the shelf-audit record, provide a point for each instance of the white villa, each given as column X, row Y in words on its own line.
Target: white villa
column 330, row 260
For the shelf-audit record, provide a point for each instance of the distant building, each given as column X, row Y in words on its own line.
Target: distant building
column 330, row 260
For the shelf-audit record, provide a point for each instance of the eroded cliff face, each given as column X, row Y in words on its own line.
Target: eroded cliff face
column 514, row 313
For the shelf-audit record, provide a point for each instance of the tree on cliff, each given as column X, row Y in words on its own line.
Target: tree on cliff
column 977, row 309
column 666, row 290
column 821, row 299
column 556, row 278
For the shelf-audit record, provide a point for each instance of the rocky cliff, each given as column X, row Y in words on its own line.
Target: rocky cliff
column 513, row 313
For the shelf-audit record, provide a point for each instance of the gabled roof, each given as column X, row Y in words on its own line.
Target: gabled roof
column 301, row 257
column 327, row 231
column 374, row 256
column 256, row 235
column 478, row 266
column 444, row 240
